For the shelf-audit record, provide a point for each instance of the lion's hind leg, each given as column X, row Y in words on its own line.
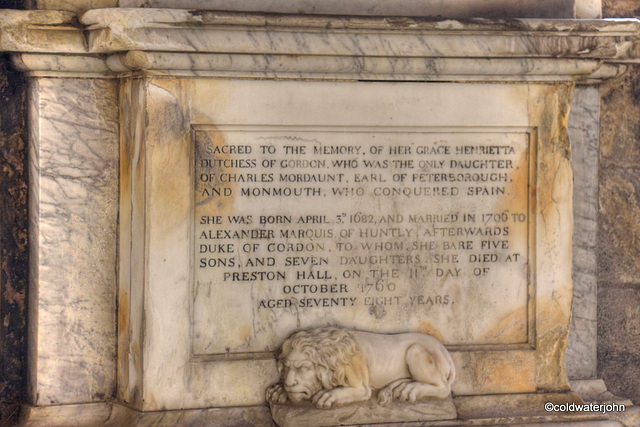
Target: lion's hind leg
column 386, row 394
column 427, row 381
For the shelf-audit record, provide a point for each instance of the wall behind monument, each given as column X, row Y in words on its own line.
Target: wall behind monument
column 618, row 244
column 13, row 237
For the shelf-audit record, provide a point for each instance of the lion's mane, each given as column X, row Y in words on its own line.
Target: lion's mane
column 329, row 349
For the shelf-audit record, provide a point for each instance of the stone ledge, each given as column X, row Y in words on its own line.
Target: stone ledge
column 450, row 9
column 171, row 30
column 121, row 41
column 109, row 414
column 370, row 412
column 595, row 391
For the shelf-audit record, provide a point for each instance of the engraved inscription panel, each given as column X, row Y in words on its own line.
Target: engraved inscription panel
column 385, row 230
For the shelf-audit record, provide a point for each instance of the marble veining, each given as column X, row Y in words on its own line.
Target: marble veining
column 410, row 44
column 341, row 67
column 74, row 166
column 580, row 358
column 220, row 32
column 310, row 46
column 60, row 64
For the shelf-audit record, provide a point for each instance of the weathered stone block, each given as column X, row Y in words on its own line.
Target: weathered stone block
column 619, row 340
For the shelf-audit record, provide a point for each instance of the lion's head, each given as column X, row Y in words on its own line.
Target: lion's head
column 314, row 360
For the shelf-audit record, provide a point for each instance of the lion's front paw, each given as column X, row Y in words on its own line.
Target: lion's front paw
column 276, row 394
column 324, row 399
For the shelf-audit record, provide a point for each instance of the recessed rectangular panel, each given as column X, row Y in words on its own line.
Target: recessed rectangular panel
column 377, row 229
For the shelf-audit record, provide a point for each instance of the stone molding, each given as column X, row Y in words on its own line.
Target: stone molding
column 119, row 42
column 451, row 8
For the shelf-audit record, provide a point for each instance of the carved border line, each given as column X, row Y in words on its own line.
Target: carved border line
column 532, row 144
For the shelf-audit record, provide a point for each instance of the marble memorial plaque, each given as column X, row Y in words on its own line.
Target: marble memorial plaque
column 258, row 209
column 361, row 188
column 383, row 229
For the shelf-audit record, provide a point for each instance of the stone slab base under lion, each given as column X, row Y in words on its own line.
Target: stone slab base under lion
column 370, row 412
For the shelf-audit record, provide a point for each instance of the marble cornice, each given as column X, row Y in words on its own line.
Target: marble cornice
column 41, row 31
column 120, row 42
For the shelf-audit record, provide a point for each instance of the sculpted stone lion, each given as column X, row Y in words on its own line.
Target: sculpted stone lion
column 334, row 366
